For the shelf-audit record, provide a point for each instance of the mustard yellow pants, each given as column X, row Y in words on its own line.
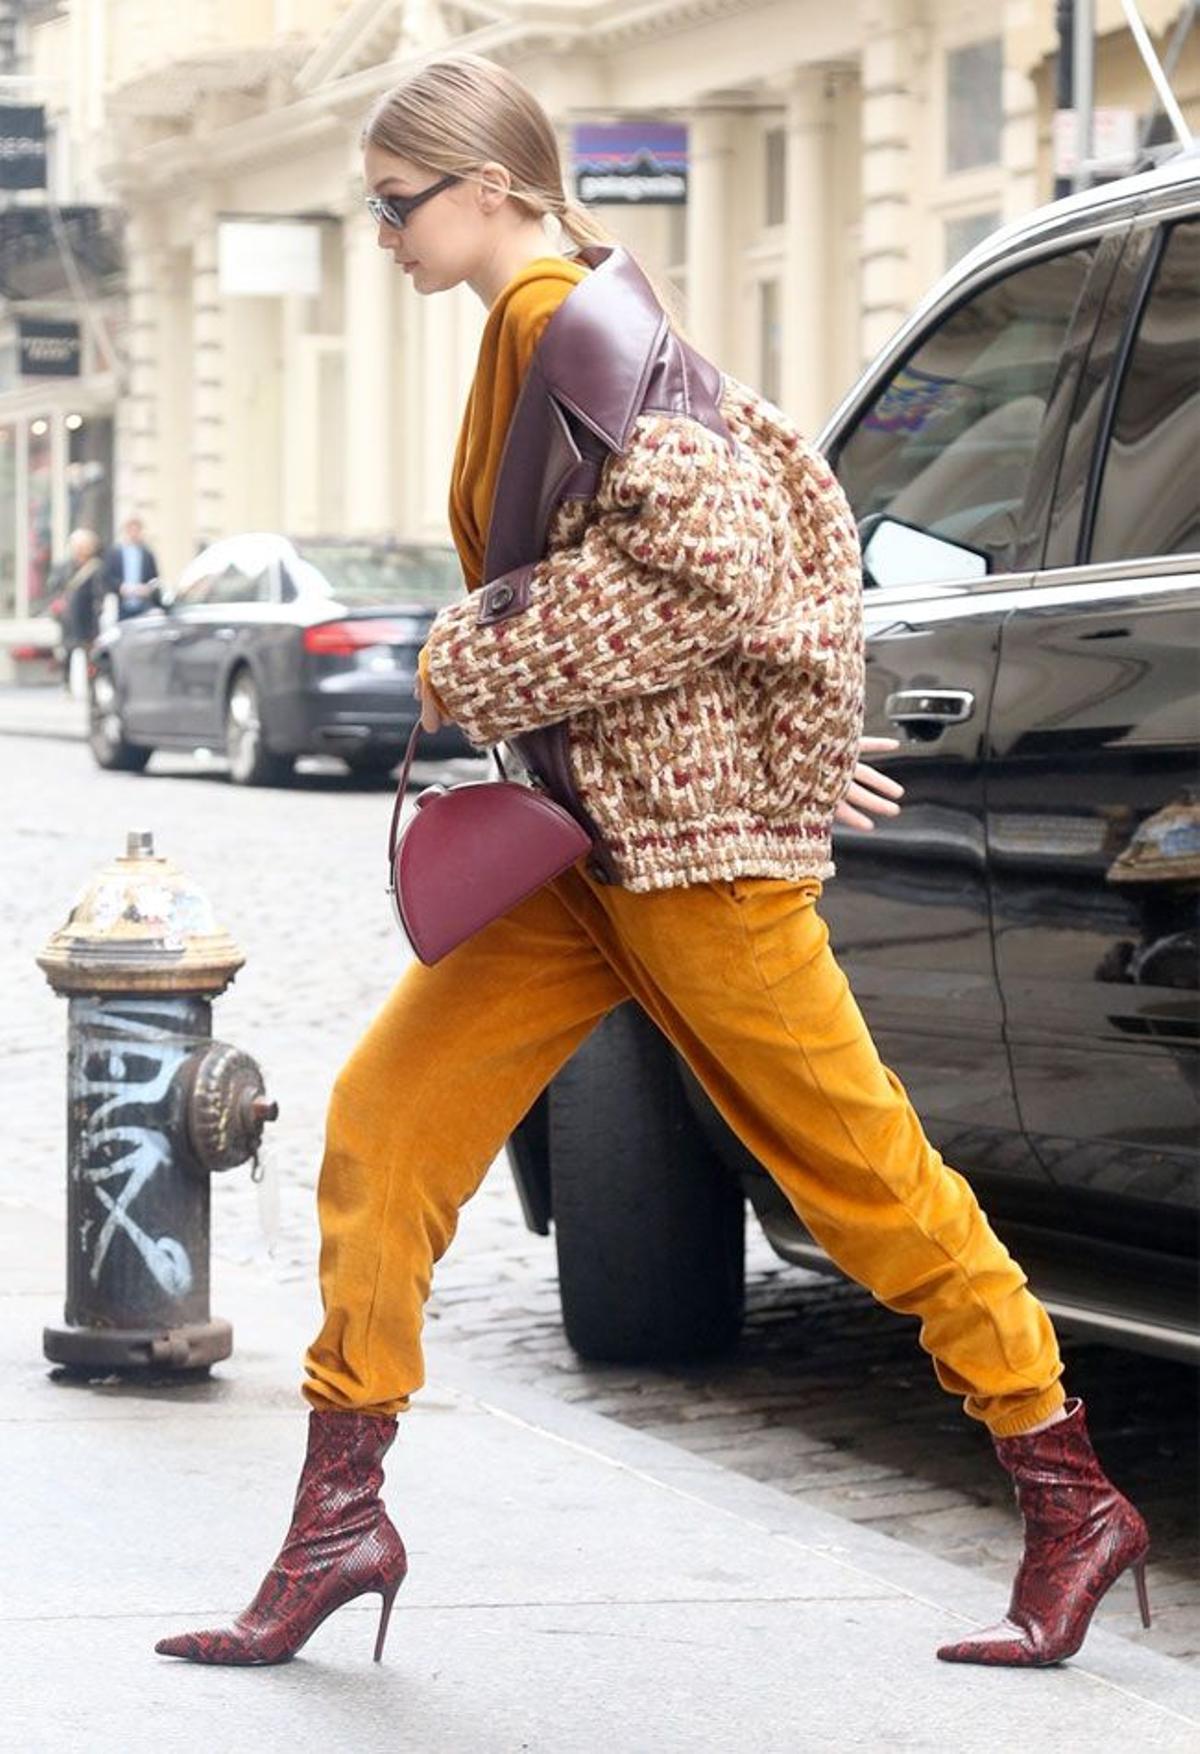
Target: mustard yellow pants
column 739, row 975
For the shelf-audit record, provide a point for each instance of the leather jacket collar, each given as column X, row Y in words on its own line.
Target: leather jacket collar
column 606, row 356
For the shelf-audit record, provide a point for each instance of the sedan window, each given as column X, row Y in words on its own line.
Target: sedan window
column 947, row 446
column 1150, row 491
column 232, row 585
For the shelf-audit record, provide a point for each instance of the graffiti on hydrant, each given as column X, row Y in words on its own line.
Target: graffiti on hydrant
column 119, row 1089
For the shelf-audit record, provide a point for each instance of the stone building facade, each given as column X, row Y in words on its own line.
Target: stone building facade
column 840, row 158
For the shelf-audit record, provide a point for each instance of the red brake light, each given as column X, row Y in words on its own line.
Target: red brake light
column 341, row 639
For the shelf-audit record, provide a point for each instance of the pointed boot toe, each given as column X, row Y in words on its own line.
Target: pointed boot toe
column 1005, row 1645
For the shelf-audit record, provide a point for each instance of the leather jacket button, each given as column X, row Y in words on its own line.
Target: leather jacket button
column 501, row 596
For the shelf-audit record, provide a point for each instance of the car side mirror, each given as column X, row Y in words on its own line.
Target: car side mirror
column 896, row 553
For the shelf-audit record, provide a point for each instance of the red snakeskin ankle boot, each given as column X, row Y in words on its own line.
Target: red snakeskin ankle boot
column 1080, row 1535
column 341, row 1544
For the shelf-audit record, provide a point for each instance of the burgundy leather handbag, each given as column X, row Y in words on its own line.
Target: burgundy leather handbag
column 469, row 853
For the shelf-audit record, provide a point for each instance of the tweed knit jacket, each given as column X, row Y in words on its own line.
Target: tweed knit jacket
column 698, row 625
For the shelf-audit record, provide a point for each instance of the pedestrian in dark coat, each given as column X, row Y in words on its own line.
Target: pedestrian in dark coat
column 130, row 569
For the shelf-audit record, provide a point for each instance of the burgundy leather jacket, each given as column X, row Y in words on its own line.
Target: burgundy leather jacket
column 607, row 356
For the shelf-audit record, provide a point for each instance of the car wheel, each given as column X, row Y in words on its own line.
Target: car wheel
column 649, row 1225
column 106, row 728
column 251, row 763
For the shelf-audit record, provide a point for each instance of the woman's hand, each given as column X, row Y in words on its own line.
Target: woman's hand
column 869, row 789
column 432, row 716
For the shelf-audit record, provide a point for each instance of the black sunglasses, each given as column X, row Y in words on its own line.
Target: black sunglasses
column 395, row 210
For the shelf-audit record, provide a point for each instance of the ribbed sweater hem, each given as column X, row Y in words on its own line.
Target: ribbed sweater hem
column 667, row 855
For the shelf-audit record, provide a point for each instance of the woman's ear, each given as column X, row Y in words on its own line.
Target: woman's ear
column 495, row 184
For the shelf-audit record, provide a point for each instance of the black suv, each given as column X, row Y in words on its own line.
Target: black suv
column 1024, row 463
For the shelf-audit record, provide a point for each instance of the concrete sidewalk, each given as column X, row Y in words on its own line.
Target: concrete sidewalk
column 574, row 1585
column 42, row 710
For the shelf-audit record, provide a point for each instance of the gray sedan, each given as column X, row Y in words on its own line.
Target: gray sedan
column 268, row 649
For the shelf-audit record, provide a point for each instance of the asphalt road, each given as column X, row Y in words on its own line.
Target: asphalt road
column 827, row 1396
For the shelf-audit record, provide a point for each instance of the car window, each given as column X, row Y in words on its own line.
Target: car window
column 360, row 575
column 947, row 445
column 197, row 590
column 1149, row 500
column 233, row 585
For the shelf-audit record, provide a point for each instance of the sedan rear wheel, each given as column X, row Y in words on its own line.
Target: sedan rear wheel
column 251, row 763
column 106, row 728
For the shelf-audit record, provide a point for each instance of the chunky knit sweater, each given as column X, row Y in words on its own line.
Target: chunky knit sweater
column 698, row 624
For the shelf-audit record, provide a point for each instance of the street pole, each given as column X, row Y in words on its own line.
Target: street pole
column 1085, row 74
column 1065, row 77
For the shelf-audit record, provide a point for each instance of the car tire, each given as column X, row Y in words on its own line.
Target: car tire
column 106, row 728
column 251, row 763
column 649, row 1226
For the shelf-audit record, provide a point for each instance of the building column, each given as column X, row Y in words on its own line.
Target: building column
column 710, row 258
column 1019, row 143
column 890, row 33
column 208, row 387
column 138, row 438
column 810, row 257
column 370, row 379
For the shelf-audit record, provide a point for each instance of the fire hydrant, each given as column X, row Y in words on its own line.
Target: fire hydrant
column 154, row 1105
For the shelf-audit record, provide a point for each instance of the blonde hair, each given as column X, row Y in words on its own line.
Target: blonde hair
column 458, row 111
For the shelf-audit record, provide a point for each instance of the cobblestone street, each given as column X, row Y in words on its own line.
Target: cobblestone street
column 827, row 1395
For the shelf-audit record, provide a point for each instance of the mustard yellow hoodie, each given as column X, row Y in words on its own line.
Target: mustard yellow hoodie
column 510, row 335
column 513, row 329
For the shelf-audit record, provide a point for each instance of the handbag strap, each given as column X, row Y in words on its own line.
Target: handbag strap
column 402, row 790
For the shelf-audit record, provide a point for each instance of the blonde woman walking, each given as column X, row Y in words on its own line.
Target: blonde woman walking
column 663, row 618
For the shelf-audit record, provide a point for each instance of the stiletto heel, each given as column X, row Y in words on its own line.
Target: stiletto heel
column 386, row 1597
column 1139, row 1577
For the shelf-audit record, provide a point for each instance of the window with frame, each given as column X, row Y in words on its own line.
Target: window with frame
column 1149, row 501
column 775, row 176
column 963, row 233
column 770, row 340
column 948, row 443
column 974, row 104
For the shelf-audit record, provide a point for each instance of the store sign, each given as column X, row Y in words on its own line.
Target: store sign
column 48, row 350
column 271, row 258
column 1114, row 139
column 636, row 163
column 22, row 147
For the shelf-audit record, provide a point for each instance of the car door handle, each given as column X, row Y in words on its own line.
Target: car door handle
column 939, row 706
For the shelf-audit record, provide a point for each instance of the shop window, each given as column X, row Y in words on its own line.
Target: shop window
column 974, row 104
column 8, row 521
column 89, row 474
column 40, row 503
column 961, row 235
column 770, row 332
column 775, row 176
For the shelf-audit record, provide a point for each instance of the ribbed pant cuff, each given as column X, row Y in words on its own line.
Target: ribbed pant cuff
column 1029, row 1414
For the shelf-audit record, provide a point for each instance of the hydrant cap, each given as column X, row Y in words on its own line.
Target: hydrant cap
column 140, row 926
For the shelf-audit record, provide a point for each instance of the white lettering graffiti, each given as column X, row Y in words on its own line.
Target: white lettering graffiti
column 131, row 1149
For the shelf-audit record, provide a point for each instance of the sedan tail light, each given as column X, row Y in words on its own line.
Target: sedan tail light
column 341, row 639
